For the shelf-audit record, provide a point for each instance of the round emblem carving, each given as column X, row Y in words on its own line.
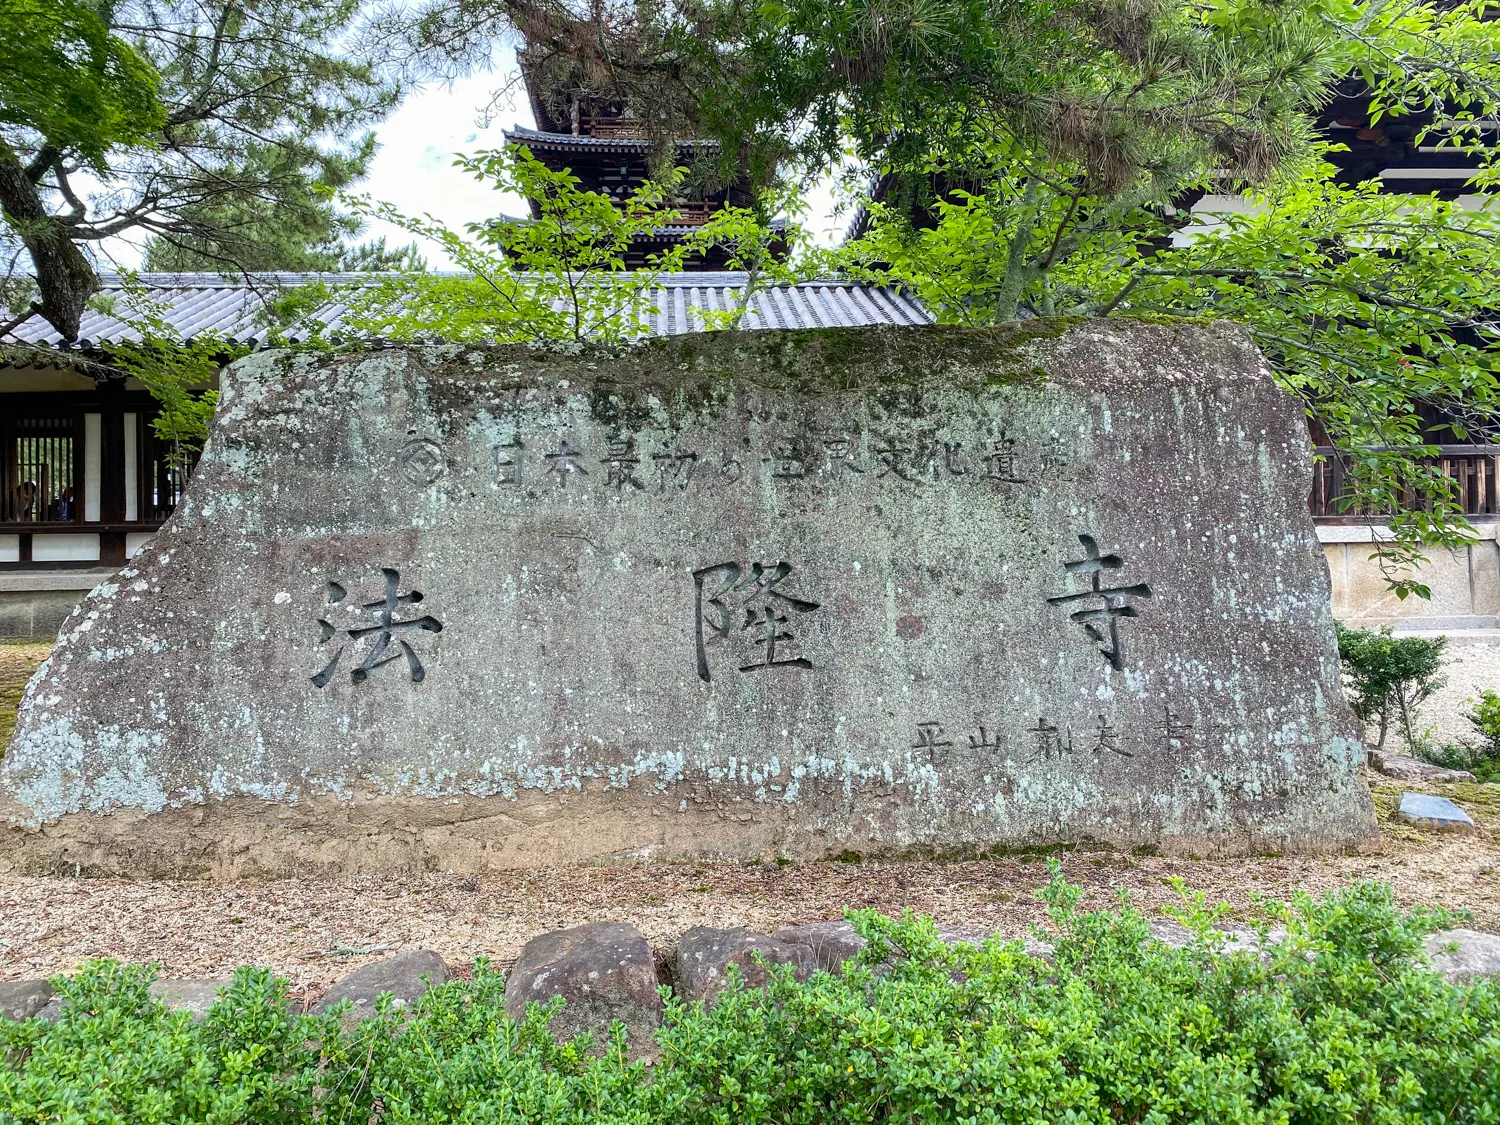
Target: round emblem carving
column 421, row 461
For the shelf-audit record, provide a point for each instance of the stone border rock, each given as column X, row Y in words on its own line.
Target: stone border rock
column 1402, row 768
column 406, row 976
column 606, row 971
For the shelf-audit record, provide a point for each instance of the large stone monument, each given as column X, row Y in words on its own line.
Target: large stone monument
column 903, row 592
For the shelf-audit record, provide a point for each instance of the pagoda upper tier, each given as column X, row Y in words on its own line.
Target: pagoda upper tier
column 606, row 147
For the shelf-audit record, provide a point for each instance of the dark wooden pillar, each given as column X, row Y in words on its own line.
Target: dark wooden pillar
column 112, row 470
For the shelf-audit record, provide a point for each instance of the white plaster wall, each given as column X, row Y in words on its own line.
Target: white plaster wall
column 132, row 477
column 10, row 548
column 65, row 547
column 93, row 456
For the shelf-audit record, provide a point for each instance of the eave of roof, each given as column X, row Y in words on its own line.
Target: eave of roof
column 231, row 309
column 535, row 138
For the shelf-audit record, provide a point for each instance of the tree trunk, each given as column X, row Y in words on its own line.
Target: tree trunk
column 63, row 273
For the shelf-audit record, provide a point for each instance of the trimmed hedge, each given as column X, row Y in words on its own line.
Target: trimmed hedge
column 1341, row 1022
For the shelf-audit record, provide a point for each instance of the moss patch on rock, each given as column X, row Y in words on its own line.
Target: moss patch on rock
column 18, row 660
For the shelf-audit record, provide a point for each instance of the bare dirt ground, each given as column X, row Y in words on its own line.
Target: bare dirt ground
column 313, row 932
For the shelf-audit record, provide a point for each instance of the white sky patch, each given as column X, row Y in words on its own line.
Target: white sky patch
column 418, row 143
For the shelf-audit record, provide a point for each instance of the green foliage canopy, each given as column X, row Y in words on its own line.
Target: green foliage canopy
column 1390, row 677
column 65, row 75
column 260, row 112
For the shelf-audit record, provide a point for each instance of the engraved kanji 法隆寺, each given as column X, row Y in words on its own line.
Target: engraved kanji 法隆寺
column 381, row 633
column 1102, row 621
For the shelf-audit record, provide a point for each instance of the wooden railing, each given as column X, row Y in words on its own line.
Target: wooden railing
column 1474, row 468
column 591, row 126
column 693, row 213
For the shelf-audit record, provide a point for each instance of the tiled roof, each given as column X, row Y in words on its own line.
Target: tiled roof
column 195, row 304
column 673, row 230
column 534, row 138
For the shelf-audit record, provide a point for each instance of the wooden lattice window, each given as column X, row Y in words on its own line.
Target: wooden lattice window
column 41, row 469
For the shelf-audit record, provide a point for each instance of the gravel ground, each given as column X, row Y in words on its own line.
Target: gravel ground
column 313, row 932
column 1469, row 669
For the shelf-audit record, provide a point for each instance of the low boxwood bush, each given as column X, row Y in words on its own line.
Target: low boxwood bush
column 1389, row 677
column 1342, row 1021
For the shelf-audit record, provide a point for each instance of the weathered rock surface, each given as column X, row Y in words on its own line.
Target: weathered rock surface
column 1436, row 814
column 22, row 999
column 832, row 943
column 195, row 997
column 742, row 594
column 604, row 971
column 406, row 976
column 1464, row 956
column 1236, row 939
column 1413, row 769
column 705, row 953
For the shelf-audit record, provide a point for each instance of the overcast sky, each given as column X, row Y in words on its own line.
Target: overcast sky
column 414, row 168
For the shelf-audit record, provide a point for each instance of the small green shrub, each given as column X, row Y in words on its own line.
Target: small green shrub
column 1481, row 758
column 1341, row 1022
column 1390, row 677
column 1486, row 720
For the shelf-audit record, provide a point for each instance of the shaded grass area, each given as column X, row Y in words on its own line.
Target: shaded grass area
column 1481, row 800
column 18, row 660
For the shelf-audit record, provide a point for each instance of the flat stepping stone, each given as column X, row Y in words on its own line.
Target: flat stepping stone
column 1435, row 813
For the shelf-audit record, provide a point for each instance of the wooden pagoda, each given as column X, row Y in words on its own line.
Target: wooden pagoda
column 605, row 145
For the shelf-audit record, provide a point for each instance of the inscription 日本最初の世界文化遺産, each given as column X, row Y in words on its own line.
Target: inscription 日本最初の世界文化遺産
column 628, row 465
column 378, row 635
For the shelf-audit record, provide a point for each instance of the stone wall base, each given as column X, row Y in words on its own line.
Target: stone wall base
column 1465, row 583
column 34, row 604
column 246, row 837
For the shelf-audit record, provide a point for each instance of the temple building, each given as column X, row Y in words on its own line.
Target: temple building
column 1393, row 150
